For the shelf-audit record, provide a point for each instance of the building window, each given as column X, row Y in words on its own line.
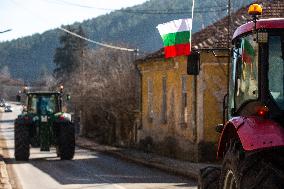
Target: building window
column 184, row 101
column 150, row 100
column 164, row 100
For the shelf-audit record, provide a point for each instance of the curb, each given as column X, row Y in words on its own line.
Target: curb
column 4, row 178
column 189, row 174
column 153, row 164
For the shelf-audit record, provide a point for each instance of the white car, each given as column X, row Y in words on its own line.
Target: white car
column 8, row 108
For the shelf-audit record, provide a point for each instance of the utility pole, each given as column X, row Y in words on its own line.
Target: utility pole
column 82, row 96
column 229, row 24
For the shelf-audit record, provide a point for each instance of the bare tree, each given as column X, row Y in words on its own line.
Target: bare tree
column 103, row 89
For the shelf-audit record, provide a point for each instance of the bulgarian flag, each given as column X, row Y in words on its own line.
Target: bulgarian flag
column 248, row 52
column 176, row 37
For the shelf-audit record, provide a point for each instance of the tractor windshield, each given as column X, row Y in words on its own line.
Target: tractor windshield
column 276, row 69
column 43, row 104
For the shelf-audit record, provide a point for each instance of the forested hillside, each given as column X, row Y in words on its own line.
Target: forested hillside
column 30, row 57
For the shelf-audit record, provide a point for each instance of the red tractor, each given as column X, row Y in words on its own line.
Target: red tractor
column 252, row 140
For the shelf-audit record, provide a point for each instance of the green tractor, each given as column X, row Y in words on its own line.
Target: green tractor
column 43, row 124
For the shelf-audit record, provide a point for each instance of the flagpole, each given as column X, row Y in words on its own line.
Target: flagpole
column 192, row 10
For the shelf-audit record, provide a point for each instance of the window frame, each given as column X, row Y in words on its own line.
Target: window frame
column 238, row 106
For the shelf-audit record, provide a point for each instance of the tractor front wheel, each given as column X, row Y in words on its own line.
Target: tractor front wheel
column 22, row 144
column 66, row 148
column 209, row 178
column 262, row 170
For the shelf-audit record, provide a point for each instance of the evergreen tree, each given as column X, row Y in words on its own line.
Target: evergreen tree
column 69, row 56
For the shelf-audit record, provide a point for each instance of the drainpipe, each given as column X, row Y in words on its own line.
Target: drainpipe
column 139, row 95
column 195, row 107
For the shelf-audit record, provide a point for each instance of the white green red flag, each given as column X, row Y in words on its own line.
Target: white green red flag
column 176, row 37
column 248, row 51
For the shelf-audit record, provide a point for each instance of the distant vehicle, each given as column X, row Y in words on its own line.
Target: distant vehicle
column 2, row 102
column 44, row 124
column 8, row 108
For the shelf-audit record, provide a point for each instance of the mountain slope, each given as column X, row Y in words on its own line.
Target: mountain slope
column 30, row 57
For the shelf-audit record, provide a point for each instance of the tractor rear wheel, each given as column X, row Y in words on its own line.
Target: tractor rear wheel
column 261, row 170
column 209, row 178
column 22, row 143
column 66, row 148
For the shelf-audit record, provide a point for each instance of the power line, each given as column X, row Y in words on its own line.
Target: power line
column 168, row 12
column 97, row 43
column 6, row 31
column 108, row 45
column 78, row 5
column 201, row 9
column 79, row 36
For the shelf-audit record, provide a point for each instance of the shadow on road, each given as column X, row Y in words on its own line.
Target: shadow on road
column 98, row 168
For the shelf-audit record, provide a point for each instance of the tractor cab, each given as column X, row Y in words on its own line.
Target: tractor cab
column 251, row 143
column 257, row 71
column 44, row 103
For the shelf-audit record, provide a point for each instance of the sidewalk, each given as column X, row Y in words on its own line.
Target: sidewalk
column 179, row 167
column 4, row 178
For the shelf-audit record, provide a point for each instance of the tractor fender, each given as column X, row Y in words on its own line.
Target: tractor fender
column 254, row 133
column 23, row 120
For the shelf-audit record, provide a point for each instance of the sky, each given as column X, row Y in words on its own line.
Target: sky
column 26, row 17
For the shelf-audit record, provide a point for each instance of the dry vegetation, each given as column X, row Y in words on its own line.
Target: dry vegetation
column 103, row 95
column 9, row 87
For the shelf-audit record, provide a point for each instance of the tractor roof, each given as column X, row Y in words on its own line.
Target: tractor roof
column 271, row 23
column 44, row 93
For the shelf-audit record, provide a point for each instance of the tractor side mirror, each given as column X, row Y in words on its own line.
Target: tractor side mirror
column 193, row 63
column 68, row 97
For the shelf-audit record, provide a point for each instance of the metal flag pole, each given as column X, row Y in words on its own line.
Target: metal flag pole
column 192, row 10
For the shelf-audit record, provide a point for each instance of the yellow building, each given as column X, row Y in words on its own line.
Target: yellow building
column 180, row 111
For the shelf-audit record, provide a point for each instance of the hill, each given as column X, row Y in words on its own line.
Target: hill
column 30, row 57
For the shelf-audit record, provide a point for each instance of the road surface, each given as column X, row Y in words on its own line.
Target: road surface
column 88, row 170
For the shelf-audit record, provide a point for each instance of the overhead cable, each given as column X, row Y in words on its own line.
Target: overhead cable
column 97, row 43
column 168, row 12
column 200, row 9
column 76, row 35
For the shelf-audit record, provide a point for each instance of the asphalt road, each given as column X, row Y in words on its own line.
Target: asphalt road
column 88, row 170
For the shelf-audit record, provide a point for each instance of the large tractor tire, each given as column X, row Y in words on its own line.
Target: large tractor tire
column 209, row 178
column 66, row 146
column 22, row 143
column 262, row 170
